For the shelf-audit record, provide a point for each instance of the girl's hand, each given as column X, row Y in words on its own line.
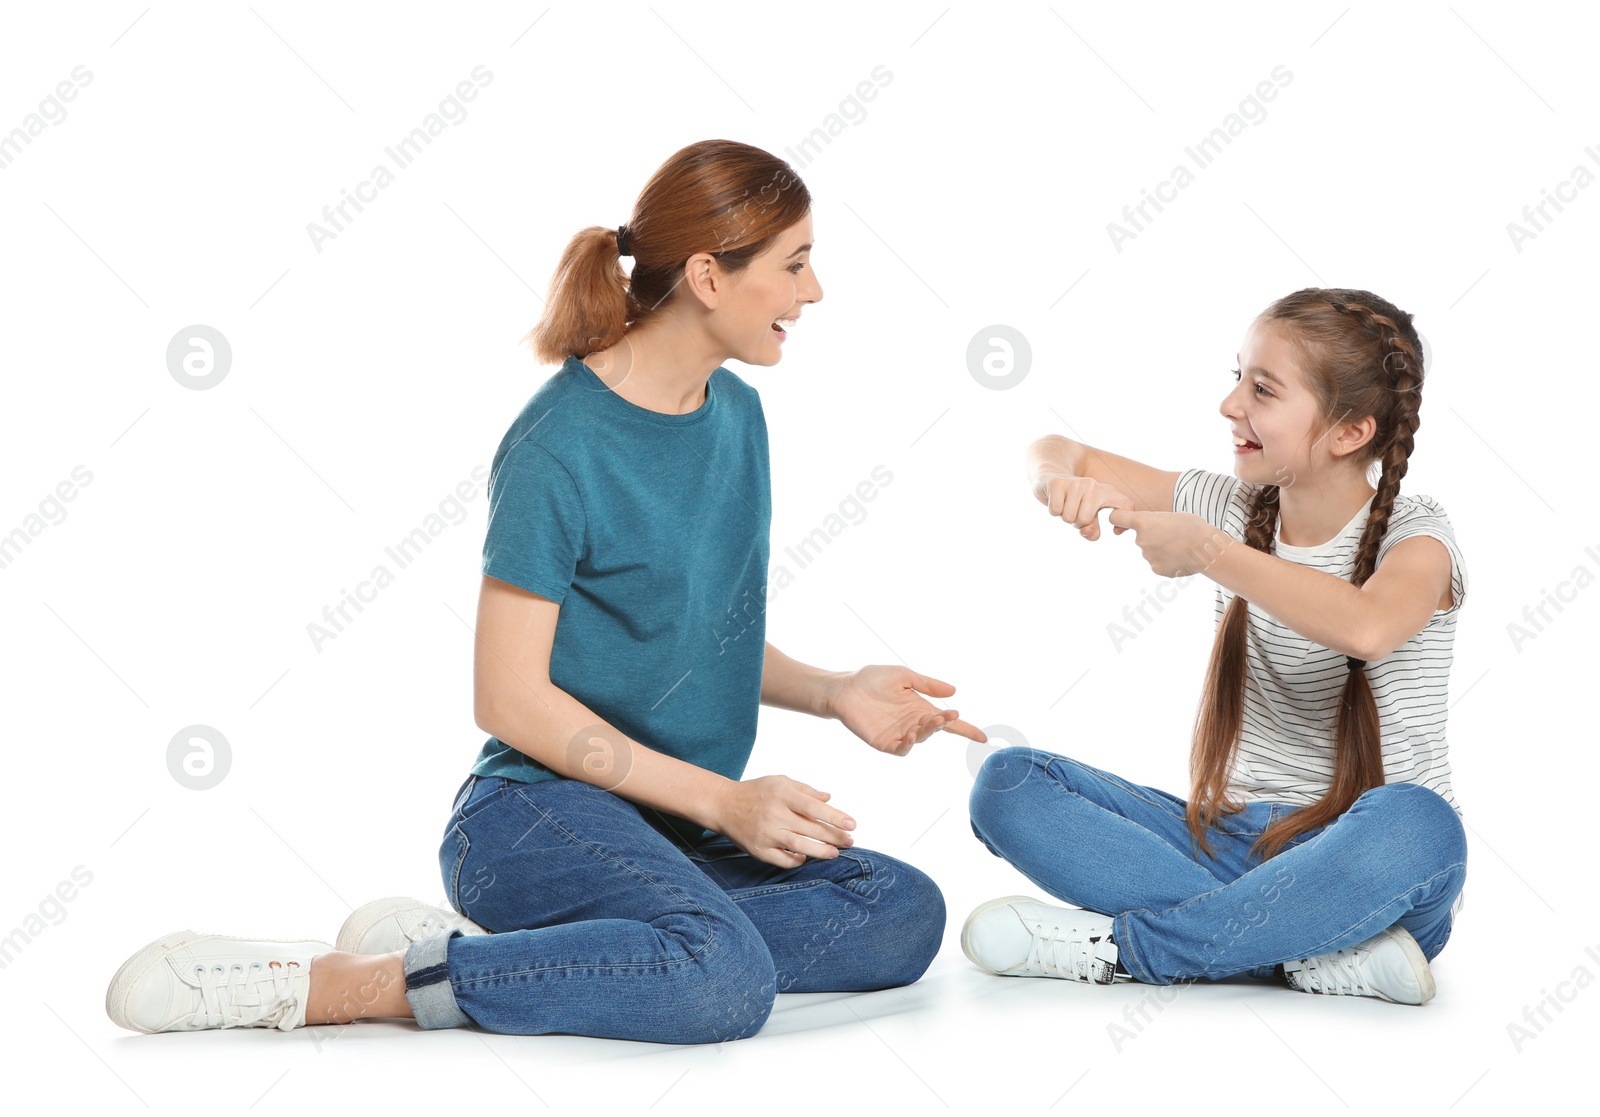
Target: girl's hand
column 1175, row 544
column 1077, row 500
column 782, row 821
column 882, row 705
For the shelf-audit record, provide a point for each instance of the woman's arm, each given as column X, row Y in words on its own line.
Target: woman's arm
column 514, row 699
column 791, row 685
column 880, row 703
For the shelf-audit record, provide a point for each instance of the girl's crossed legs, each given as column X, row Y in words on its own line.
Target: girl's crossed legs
column 1397, row 856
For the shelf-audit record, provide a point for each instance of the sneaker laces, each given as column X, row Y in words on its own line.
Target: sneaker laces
column 1338, row 973
column 1057, row 949
column 237, row 996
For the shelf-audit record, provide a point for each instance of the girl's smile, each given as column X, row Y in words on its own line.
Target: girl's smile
column 1269, row 411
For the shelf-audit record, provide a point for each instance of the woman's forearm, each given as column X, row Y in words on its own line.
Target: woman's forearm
column 551, row 726
column 791, row 685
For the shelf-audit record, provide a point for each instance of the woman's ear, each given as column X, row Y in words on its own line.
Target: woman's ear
column 705, row 278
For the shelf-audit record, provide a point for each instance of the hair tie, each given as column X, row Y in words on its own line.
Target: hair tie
column 1351, row 661
column 622, row 241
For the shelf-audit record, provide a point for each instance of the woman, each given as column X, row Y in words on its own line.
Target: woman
column 636, row 884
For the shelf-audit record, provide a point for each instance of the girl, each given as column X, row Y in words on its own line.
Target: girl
column 1320, row 843
column 636, row 884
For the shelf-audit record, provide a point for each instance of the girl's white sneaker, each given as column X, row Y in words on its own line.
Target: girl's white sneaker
column 1019, row 937
column 185, row 982
column 393, row 923
column 1389, row 965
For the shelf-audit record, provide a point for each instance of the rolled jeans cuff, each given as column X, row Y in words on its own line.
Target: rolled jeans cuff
column 428, row 990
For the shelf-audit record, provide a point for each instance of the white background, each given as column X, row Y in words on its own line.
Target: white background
column 369, row 379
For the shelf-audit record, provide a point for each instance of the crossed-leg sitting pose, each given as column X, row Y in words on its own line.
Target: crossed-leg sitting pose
column 1320, row 843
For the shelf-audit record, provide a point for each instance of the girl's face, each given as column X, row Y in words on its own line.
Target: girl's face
column 768, row 295
column 1271, row 407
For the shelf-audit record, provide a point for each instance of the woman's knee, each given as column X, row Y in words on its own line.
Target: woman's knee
column 727, row 991
column 913, row 916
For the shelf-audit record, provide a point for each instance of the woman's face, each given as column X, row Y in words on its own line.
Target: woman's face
column 769, row 292
column 1272, row 408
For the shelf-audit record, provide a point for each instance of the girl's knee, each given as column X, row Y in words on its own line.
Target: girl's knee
column 1411, row 806
column 1408, row 816
column 1001, row 773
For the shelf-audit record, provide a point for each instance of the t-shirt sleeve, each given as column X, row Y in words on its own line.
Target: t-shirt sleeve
column 1207, row 495
column 536, row 523
column 1424, row 516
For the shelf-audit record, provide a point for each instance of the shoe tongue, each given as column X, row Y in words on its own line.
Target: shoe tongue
column 1103, row 962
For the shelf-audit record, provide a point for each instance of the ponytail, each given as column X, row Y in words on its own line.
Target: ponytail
column 587, row 308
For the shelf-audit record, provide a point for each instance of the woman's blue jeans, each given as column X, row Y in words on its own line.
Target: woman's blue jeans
column 606, row 924
column 1397, row 856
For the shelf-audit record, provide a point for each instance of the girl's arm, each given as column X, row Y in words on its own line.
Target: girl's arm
column 1368, row 622
column 1151, row 489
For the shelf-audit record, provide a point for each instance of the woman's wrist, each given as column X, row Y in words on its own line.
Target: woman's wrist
column 829, row 686
column 711, row 805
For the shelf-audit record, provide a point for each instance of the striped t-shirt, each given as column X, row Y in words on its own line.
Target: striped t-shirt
column 1293, row 685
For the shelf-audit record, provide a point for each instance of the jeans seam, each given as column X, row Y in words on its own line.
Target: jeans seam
column 1127, row 955
column 461, row 857
column 772, row 889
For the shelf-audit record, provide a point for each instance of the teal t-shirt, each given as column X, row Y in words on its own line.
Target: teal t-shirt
column 652, row 533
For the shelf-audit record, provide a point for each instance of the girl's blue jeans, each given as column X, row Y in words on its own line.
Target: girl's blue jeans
column 1397, row 856
column 605, row 923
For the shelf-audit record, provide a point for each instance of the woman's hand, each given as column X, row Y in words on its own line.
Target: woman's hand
column 1077, row 500
column 1175, row 544
column 782, row 821
column 882, row 705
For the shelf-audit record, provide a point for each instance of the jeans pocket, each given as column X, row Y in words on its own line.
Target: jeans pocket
column 452, row 854
column 484, row 791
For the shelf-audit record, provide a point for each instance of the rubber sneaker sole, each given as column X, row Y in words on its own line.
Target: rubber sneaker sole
column 1419, row 964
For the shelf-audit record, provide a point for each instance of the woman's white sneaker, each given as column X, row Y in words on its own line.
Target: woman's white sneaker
column 1389, row 965
column 393, row 923
column 186, row 982
column 1019, row 937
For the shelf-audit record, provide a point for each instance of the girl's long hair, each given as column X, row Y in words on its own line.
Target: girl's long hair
column 717, row 196
column 1362, row 357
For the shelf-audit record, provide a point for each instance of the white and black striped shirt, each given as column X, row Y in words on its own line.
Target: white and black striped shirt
column 1293, row 685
